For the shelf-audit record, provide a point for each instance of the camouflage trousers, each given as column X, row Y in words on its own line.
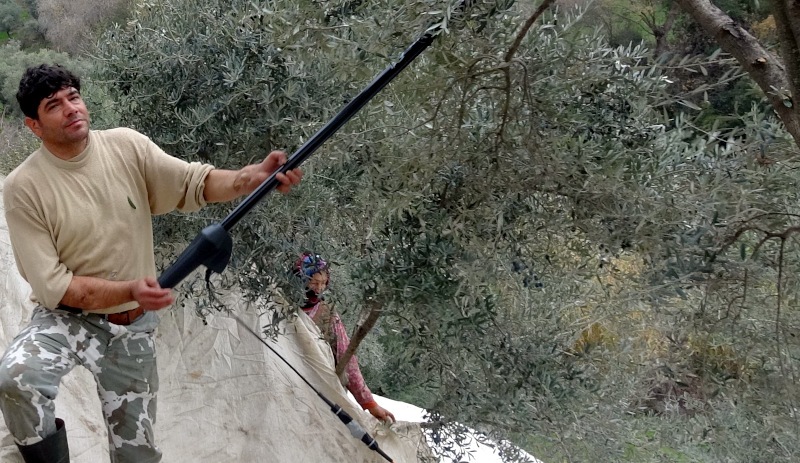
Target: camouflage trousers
column 122, row 360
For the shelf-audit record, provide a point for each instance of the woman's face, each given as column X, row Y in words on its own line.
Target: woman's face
column 318, row 282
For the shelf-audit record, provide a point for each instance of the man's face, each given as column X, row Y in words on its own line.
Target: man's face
column 63, row 119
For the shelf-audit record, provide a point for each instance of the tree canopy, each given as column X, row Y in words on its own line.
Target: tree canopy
column 563, row 246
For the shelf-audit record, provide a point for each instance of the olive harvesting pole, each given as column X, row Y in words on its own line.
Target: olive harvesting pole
column 212, row 247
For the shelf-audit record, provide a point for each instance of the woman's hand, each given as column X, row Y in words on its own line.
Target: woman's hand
column 382, row 414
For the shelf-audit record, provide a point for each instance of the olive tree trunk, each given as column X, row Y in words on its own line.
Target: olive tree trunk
column 777, row 76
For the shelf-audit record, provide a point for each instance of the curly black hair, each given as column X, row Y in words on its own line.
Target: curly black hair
column 39, row 82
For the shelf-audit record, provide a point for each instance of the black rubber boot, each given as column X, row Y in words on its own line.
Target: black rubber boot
column 53, row 449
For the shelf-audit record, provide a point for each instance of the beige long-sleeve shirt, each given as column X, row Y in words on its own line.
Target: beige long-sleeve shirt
column 91, row 215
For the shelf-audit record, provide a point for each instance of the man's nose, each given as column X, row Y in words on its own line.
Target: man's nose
column 70, row 107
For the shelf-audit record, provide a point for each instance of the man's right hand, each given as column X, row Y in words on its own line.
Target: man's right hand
column 93, row 294
column 150, row 295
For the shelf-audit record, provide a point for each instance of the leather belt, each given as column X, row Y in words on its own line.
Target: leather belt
column 121, row 318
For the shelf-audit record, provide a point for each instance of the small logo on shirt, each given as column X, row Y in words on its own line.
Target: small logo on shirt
column 130, row 202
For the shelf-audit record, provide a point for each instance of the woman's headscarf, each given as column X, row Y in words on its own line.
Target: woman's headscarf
column 308, row 264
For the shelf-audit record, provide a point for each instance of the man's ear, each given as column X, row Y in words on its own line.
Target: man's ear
column 34, row 125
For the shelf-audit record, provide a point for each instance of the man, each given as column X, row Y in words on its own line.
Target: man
column 79, row 218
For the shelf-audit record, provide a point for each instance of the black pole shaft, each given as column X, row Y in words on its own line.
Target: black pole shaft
column 323, row 134
column 212, row 247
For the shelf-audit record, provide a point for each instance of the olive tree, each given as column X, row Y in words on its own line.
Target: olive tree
column 483, row 204
column 10, row 16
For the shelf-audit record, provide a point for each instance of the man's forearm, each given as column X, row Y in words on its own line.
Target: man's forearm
column 224, row 185
column 90, row 293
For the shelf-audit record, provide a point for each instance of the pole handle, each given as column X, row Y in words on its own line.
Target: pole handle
column 211, row 247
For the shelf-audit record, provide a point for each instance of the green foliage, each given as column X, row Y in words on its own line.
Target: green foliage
column 10, row 16
column 744, row 10
column 625, row 22
column 19, row 22
column 30, row 35
column 496, row 203
column 264, row 84
column 71, row 26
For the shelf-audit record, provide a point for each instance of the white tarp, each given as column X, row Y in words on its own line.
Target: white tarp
column 224, row 397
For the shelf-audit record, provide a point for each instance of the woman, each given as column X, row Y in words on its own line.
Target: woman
column 314, row 271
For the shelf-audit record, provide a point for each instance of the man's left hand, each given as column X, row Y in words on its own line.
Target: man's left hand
column 226, row 185
column 250, row 177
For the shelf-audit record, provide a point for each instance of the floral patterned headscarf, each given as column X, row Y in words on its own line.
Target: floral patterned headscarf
column 308, row 264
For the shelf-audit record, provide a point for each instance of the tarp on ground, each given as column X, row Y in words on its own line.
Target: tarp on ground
column 224, row 397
